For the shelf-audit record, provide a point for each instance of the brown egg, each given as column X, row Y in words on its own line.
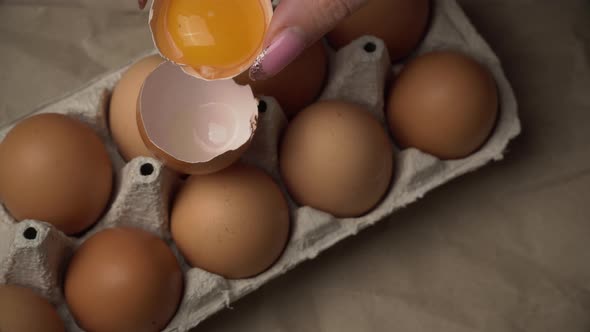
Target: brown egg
column 22, row 310
column 443, row 103
column 123, row 108
column 401, row 24
column 55, row 169
column 123, row 279
column 336, row 157
column 234, row 223
column 299, row 84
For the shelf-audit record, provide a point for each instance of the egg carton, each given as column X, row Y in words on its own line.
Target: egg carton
column 35, row 254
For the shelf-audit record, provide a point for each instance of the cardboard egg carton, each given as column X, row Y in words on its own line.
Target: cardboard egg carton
column 34, row 254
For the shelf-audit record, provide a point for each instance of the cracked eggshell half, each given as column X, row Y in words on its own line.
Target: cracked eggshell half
column 195, row 126
column 210, row 39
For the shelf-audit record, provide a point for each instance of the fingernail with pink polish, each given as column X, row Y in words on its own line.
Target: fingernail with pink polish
column 284, row 48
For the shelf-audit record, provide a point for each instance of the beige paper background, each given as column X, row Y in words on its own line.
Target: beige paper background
column 502, row 249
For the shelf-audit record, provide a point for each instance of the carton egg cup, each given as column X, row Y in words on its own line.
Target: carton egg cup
column 34, row 254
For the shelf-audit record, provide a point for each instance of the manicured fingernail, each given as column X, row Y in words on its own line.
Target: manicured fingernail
column 283, row 49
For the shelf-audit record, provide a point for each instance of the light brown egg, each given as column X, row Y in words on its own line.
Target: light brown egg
column 401, row 24
column 443, row 103
column 299, row 84
column 234, row 223
column 121, row 280
column 123, row 108
column 55, row 169
column 336, row 157
column 22, row 310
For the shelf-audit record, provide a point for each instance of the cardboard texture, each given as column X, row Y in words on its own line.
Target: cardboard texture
column 501, row 249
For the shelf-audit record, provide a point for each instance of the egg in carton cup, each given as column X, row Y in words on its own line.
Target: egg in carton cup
column 35, row 254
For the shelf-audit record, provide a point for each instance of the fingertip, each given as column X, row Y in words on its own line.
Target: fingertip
column 288, row 44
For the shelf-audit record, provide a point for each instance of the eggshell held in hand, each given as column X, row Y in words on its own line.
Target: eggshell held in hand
column 210, row 39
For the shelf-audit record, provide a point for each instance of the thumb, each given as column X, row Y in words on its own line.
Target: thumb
column 297, row 24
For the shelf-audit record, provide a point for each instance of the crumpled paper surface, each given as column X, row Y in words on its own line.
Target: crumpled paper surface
column 501, row 249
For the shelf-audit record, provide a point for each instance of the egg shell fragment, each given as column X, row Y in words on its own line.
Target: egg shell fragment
column 195, row 126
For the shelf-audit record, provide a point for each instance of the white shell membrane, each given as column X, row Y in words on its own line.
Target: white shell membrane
column 194, row 120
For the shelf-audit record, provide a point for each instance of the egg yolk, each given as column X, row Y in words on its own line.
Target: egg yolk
column 213, row 33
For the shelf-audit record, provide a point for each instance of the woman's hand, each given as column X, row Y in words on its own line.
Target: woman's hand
column 297, row 24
